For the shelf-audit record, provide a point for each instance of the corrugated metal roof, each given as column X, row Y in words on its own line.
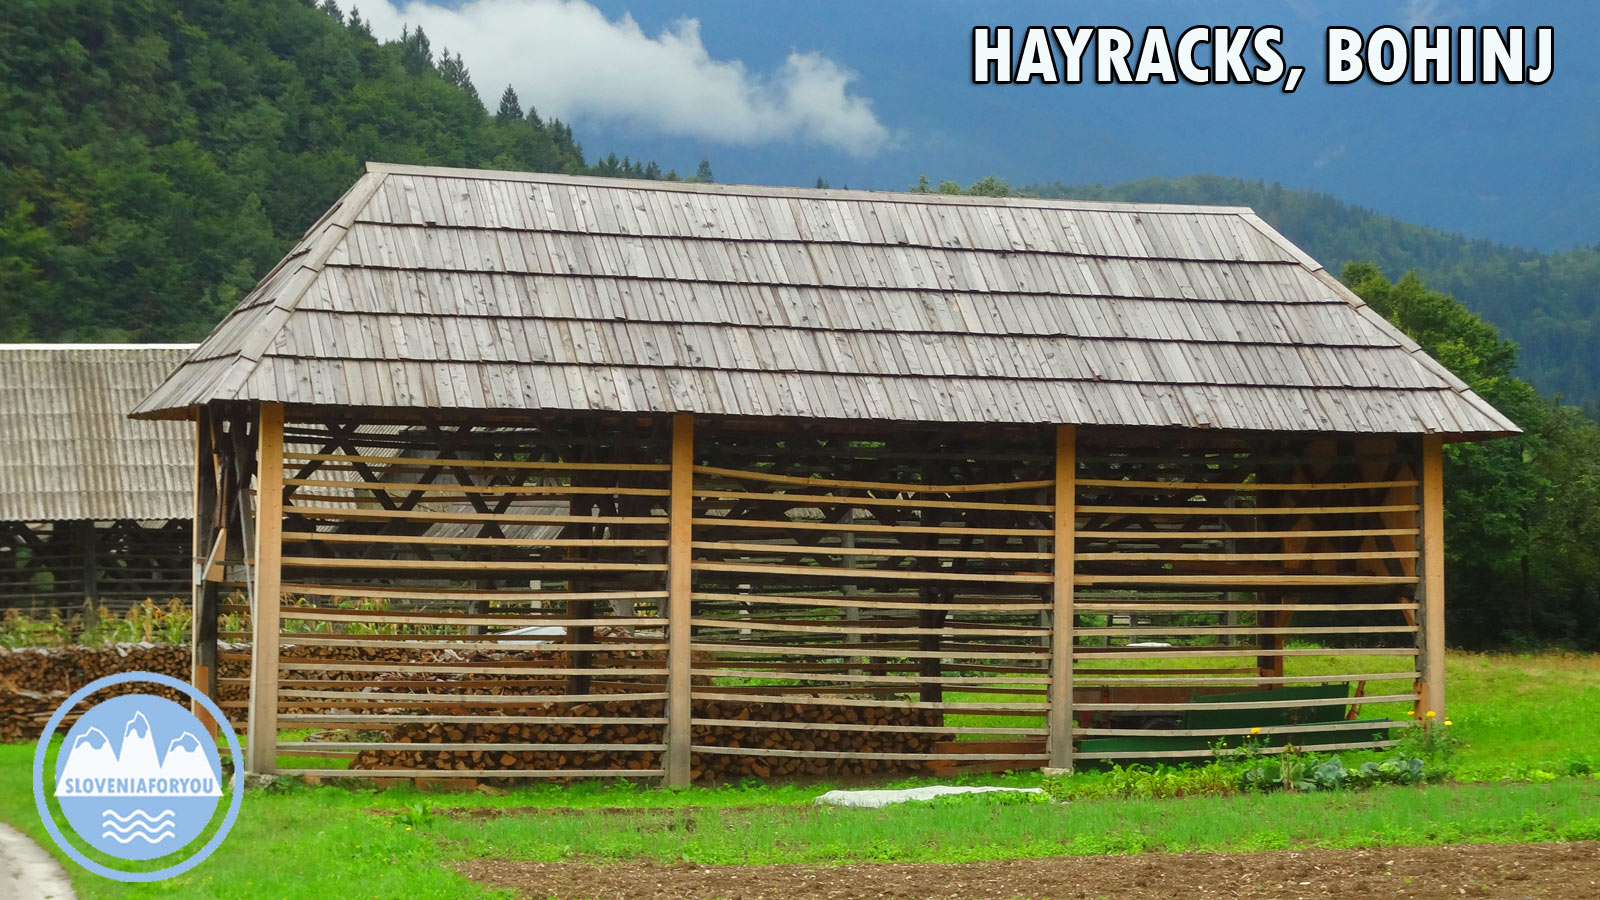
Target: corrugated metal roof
column 466, row 289
column 67, row 447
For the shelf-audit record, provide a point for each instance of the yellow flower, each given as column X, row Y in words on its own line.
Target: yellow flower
column 1448, row 722
column 1255, row 731
column 1431, row 714
column 1411, row 712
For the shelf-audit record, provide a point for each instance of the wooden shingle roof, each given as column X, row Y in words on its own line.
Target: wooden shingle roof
column 478, row 290
column 67, row 447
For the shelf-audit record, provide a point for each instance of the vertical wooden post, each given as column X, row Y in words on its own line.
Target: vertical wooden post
column 203, row 603
column 89, row 559
column 1062, row 618
column 263, row 751
column 680, row 509
column 1430, row 586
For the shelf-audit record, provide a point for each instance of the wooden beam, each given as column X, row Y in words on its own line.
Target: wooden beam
column 263, row 715
column 1062, row 618
column 203, row 602
column 1431, row 573
column 680, row 515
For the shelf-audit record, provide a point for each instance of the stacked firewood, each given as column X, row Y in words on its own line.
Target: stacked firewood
column 589, row 725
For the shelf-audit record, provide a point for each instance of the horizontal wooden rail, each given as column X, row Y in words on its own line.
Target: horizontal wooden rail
column 892, row 680
column 1161, row 607
column 468, row 699
column 1247, row 580
column 1230, row 732
column 998, row 708
column 892, row 729
column 1226, row 556
column 864, row 650
column 508, row 490
column 440, row 516
column 833, row 500
column 1195, row 510
column 1225, row 535
column 329, row 720
column 868, row 528
column 869, row 602
column 849, row 574
column 1195, row 630
column 422, row 746
column 443, row 463
column 908, row 488
column 1243, row 486
column 713, row 750
column 1199, row 754
column 890, row 552
column 467, row 565
column 843, row 626
column 1237, row 652
column 322, row 614
column 504, row 596
column 340, row 537
column 474, row 773
column 1191, row 706
column 1100, row 677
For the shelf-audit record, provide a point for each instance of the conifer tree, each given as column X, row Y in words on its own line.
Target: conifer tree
column 510, row 107
column 703, row 174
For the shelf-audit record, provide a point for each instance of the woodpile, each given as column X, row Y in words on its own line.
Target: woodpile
column 590, row 726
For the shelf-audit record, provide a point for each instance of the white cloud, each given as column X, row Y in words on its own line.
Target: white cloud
column 569, row 60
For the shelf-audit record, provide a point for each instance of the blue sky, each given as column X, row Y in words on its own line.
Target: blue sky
column 872, row 94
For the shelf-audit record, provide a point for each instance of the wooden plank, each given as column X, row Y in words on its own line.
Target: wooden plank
column 475, row 773
column 1431, row 586
column 714, row 750
column 1198, row 510
column 849, row 574
column 1222, row 535
column 891, row 729
column 1223, row 556
column 1243, row 580
column 867, row 602
column 1156, row 607
column 842, row 626
column 428, row 462
column 330, row 512
column 891, row 552
column 516, row 490
column 1185, row 706
column 1242, row 486
column 466, row 565
column 1190, row 631
column 774, row 478
column 1064, row 615
column 507, row 596
column 334, row 537
column 867, row 528
column 679, row 607
column 261, row 755
column 831, row 500
column 1102, row 678
column 1200, row 754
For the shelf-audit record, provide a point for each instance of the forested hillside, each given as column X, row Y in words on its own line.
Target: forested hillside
column 1548, row 303
column 158, row 156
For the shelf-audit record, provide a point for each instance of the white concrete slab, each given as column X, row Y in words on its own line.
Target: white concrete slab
column 877, row 799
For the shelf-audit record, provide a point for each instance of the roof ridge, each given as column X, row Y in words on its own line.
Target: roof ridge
column 341, row 216
column 762, row 190
column 97, row 346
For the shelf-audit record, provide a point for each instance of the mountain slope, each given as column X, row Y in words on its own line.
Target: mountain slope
column 158, row 156
column 1548, row 303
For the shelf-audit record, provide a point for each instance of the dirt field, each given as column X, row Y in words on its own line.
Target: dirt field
column 1555, row 871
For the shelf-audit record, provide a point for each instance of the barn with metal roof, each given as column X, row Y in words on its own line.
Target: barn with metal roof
column 967, row 463
column 93, row 506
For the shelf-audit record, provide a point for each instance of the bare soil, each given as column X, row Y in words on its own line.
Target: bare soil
column 1512, row 871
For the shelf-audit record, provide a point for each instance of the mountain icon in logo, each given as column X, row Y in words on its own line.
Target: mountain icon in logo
column 94, row 769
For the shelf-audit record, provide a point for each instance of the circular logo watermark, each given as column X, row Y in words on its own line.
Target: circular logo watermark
column 137, row 778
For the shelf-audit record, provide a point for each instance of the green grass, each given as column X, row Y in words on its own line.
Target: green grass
column 1517, row 714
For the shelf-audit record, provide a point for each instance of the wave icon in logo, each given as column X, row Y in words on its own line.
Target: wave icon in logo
column 138, row 778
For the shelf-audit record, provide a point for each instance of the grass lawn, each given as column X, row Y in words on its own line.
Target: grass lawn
column 1520, row 716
